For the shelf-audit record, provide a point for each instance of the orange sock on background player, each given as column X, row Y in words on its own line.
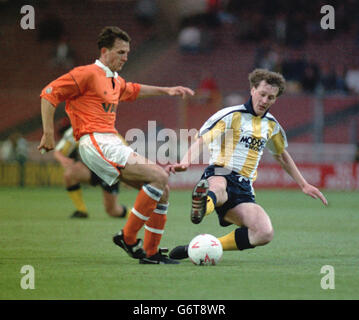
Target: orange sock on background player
column 145, row 204
column 154, row 229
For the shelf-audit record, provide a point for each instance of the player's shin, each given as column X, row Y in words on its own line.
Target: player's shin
column 154, row 229
column 211, row 202
column 75, row 194
column 146, row 202
column 236, row 240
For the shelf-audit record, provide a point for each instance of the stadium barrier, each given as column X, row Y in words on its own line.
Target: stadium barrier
column 342, row 176
column 31, row 174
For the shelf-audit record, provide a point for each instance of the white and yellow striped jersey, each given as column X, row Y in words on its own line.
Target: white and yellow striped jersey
column 67, row 144
column 236, row 137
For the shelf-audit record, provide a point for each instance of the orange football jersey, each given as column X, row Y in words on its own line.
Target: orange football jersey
column 91, row 97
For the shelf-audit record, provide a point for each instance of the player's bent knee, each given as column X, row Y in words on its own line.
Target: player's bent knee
column 161, row 177
column 166, row 193
column 266, row 235
column 70, row 177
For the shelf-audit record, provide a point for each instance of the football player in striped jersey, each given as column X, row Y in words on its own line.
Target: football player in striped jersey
column 235, row 137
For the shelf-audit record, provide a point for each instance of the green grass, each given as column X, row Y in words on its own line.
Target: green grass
column 76, row 259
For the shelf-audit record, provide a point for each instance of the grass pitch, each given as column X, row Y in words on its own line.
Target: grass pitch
column 76, row 259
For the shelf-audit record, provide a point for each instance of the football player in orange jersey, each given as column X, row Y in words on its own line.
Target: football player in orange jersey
column 92, row 93
column 76, row 174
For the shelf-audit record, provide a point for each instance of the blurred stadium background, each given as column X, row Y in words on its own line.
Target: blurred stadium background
column 208, row 45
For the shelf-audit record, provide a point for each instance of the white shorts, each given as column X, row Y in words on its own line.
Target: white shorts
column 105, row 154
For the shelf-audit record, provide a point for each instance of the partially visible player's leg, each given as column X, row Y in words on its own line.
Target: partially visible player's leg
column 206, row 195
column 75, row 174
column 255, row 230
column 238, row 208
column 154, row 226
column 110, row 197
column 109, row 158
column 141, row 170
column 112, row 207
column 150, row 208
column 154, row 180
column 218, row 185
column 215, row 195
column 255, row 227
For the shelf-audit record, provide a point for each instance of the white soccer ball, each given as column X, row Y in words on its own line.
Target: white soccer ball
column 205, row 249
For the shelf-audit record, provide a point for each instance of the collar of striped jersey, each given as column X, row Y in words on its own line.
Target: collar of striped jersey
column 109, row 73
column 249, row 106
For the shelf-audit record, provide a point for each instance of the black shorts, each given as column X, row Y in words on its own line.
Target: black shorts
column 96, row 180
column 239, row 190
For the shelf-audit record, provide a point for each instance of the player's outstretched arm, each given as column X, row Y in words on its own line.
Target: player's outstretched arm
column 47, row 142
column 148, row 91
column 192, row 155
column 290, row 167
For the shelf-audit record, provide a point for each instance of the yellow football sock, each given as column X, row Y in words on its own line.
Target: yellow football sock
column 77, row 199
column 228, row 241
column 210, row 206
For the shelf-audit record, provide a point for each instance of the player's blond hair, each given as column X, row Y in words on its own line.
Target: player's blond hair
column 275, row 79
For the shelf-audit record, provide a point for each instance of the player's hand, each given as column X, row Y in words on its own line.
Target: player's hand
column 47, row 143
column 173, row 168
column 180, row 91
column 314, row 193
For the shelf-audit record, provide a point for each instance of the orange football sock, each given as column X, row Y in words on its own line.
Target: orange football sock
column 154, row 229
column 145, row 204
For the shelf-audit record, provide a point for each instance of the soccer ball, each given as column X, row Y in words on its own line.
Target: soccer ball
column 205, row 249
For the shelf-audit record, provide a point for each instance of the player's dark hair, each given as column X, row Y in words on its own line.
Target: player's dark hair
column 108, row 35
column 275, row 79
